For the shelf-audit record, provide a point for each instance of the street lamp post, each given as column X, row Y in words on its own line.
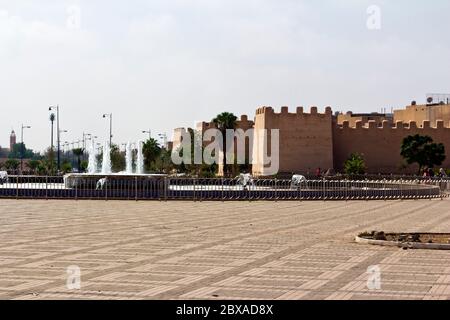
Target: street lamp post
column 65, row 145
column 22, row 148
column 52, row 120
column 58, row 135
column 110, row 116
column 85, row 138
column 149, row 133
column 88, row 137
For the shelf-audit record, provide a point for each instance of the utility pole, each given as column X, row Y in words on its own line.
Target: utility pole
column 149, row 133
column 58, row 135
column 22, row 148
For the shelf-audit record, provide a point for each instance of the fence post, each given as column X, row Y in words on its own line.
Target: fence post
column 276, row 190
column 417, row 193
column 76, row 191
column 136, row 188
column 346, row 190
column 401, row 189
column 221, row 179
column 300, row 190
column 166, row 188
column 106, row 190
column 201, row 190
column 431, row 189
column 46, row 187
column 323, row 189
column 17, row 187
column 367, row 190
column 194, row 183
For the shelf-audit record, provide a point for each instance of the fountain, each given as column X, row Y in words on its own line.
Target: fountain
column 93, row 165
column 140, row 159
column 126, row 180
column 106, row 164
column 129, row 159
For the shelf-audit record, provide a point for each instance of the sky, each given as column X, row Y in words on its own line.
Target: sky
column 163, row 64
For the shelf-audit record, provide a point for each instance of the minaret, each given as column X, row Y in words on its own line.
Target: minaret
column 12, row 140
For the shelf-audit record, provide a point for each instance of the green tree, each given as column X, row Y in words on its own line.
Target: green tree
column 200, row 170
column 66, row 166
column 84, row 165
column 33, row 165
column 355, row 164
column 12, row 164
column 78, row 152
column 42, row 168
column 225, row 121
column 16, row 152
column 151, row 151
column 52, row 121
column 163, row 164
column 48, row 163
column 421, row 150
column 117, row 159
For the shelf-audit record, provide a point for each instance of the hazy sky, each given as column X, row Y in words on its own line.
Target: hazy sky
column 162, row 64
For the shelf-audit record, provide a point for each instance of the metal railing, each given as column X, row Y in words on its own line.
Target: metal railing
column 220, row 189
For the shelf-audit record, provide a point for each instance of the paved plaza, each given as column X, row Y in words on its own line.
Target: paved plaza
column 215, row 250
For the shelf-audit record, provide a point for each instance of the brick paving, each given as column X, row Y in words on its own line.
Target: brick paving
column 215, row 250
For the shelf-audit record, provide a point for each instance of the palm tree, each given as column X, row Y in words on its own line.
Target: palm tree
column 78, row 152
column 52, row 120
column 225, row 121
column 151, row 150
column 33, row 165
column 12, row 165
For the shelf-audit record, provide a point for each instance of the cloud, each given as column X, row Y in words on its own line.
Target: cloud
column 165, row 64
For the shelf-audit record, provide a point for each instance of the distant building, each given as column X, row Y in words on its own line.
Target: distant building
column 352, row 118
column 4, row 152
column 12, row 140
column 426, row 112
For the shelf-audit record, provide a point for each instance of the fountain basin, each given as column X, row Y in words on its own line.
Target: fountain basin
column 115, row 181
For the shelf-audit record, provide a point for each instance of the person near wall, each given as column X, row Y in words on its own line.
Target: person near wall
column 318, row 173
column 442, row 173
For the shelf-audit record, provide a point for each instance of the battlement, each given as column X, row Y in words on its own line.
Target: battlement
column 398, row 125
column 299, row 112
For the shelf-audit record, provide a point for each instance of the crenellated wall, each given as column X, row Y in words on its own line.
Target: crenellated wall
column 381, row 145
column 315, row 140
column 420, row 113
column 308, row 141
column 305, row 138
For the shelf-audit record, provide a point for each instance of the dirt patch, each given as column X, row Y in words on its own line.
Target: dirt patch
column 437, row 238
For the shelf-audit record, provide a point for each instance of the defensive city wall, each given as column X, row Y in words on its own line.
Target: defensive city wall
column 315, row 140
column 311, row 140
column 381, row 145
column 306, row 139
